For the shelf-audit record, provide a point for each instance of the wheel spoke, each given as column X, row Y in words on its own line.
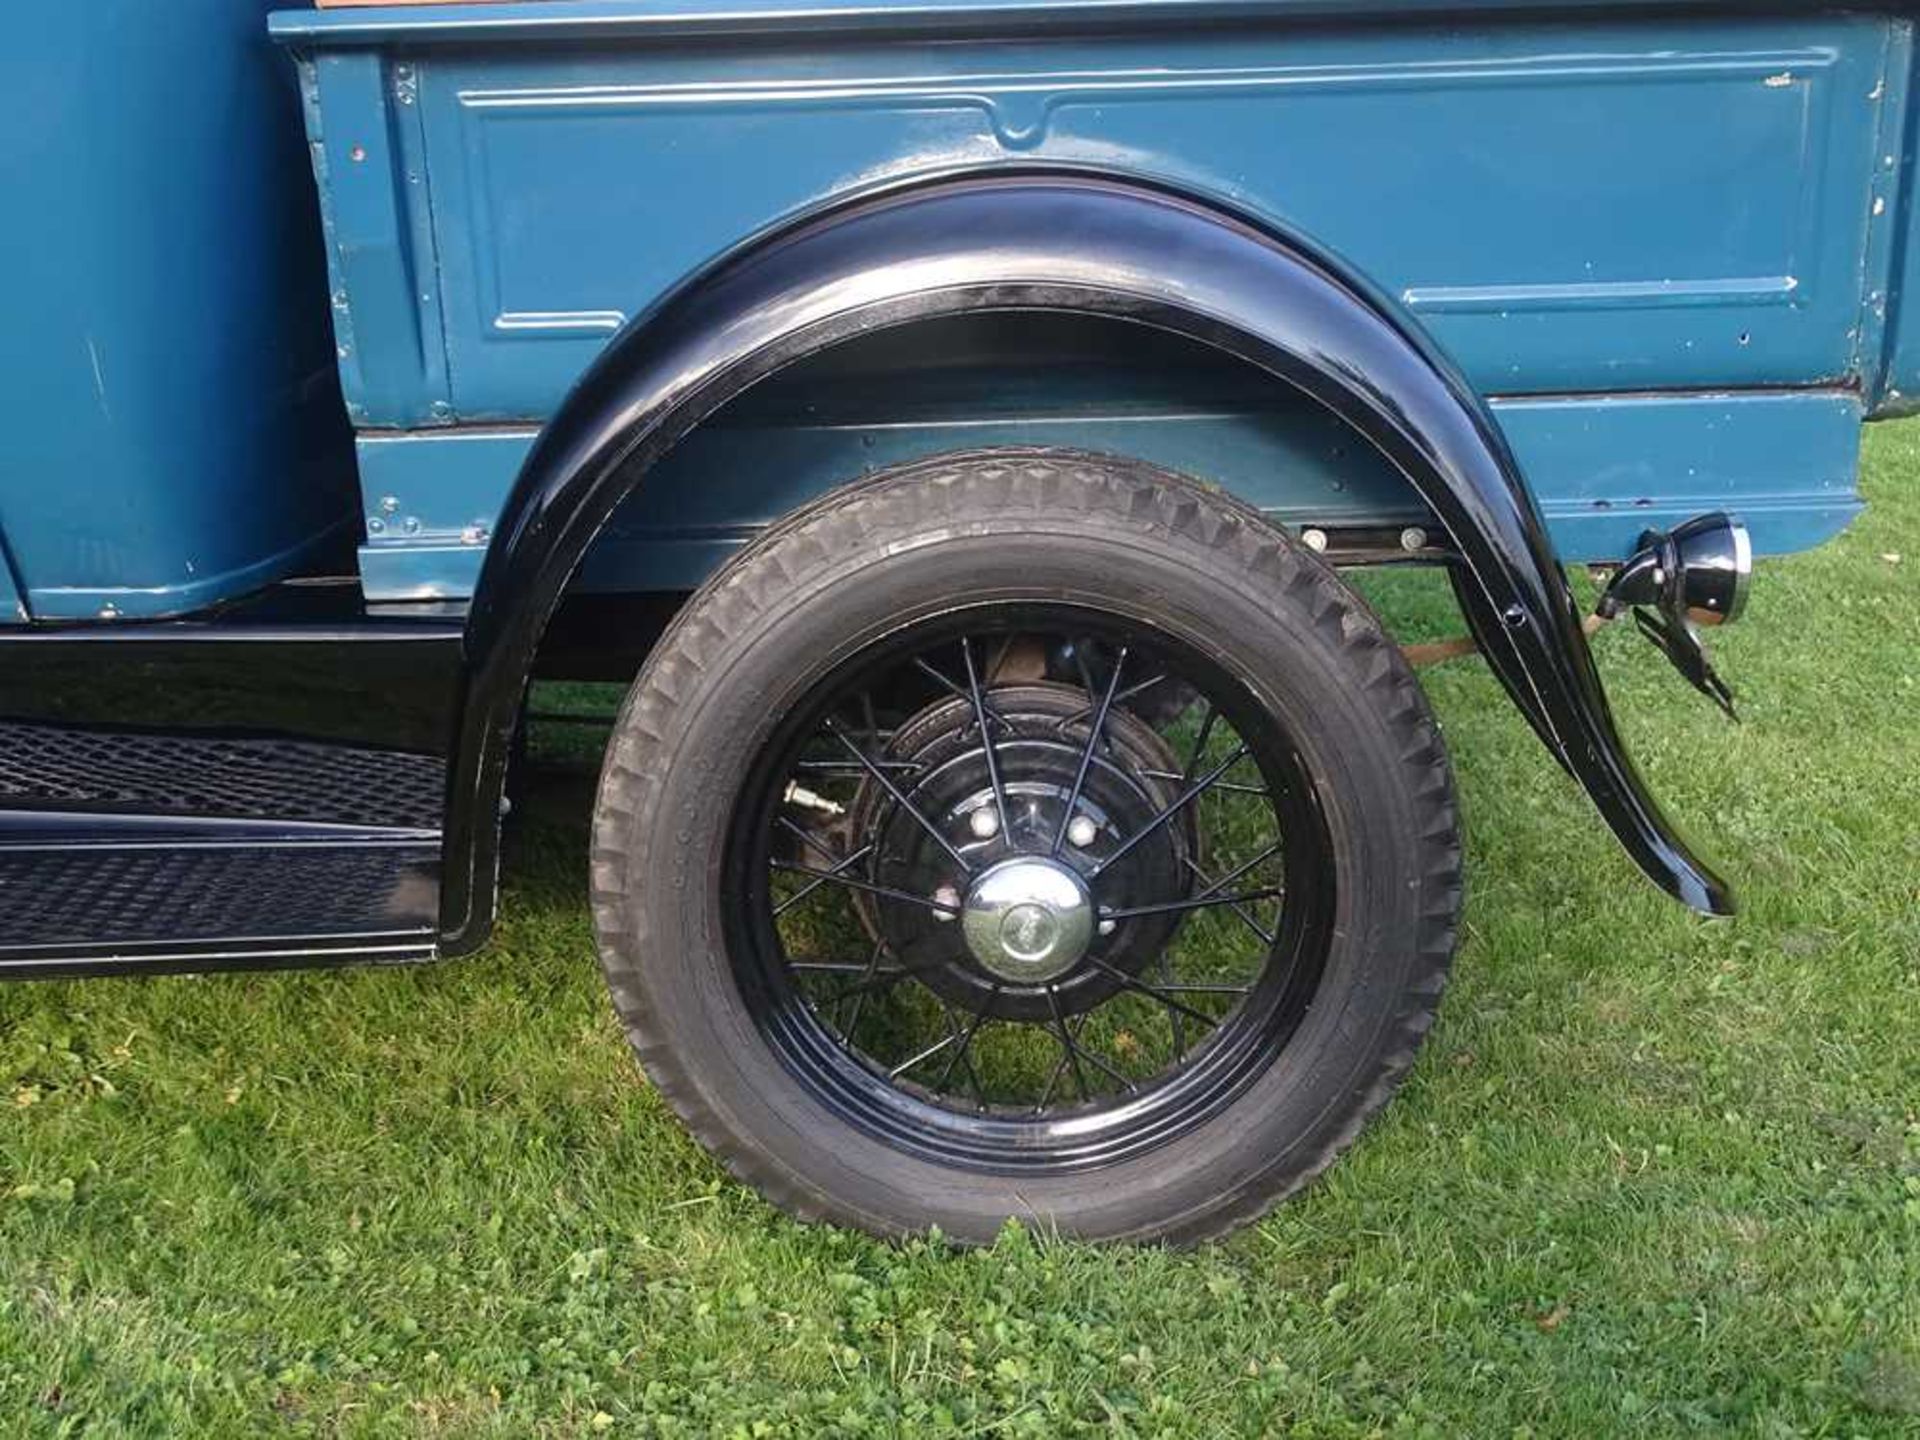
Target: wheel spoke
column 899, row 796
column 860, row 1000
column 821, row 877
column 1086, row 756
column 818, row 845
column 927, row 1054
column 1245, row 915
column 1152, row 992
column 986, row 738
column 935, row 674
column 1181, row 907
column 1067, row 1046
column 886, row 892
column 1053, row 1082
column 1187, row 797
column 1095, row 1059
column 1225, row 787
column 1132, row 692
column 883, row 979
column 848, row 767
column 1200, row 744
column 1239, row 870
column 1177, row 1020
column 966, row 1043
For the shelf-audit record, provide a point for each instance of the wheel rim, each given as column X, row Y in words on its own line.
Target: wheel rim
column 1041, row 913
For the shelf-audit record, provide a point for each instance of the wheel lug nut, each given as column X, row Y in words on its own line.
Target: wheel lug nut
column 1107, row 927
column 984, row 823
column 1082, row 831
column 948, row 899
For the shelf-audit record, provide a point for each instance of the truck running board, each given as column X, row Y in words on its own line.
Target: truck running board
column 261, row 790
column 117, row 897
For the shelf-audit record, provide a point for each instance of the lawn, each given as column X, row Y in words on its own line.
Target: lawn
column 1651, row 1171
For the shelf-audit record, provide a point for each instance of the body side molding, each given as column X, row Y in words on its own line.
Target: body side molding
column 1037, row 242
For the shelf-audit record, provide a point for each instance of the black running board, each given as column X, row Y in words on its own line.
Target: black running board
column 261, row 787
column 240, row 903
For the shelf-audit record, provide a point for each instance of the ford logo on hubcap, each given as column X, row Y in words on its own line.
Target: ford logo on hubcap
column 1028, row 920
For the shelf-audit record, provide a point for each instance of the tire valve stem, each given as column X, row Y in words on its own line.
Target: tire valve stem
column 806, row 799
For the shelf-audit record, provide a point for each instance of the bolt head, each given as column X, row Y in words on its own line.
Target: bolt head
column 949, row 898
column 984, row 823
column 1315, row 540
column 1107, row 927
column 1082, row 832
column 1413, row 538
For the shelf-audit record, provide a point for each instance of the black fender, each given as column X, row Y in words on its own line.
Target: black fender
column 1038, row 242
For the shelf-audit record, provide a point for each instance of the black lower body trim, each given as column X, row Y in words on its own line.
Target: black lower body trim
column 293, row 952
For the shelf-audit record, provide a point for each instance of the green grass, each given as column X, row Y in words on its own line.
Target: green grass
column 1651, row 1171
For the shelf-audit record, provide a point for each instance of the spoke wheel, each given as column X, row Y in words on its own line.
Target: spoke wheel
column 1026, row 834
column 981, row 927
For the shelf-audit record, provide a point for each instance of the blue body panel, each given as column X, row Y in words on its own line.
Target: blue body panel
column 173, row 433
column 1671, row 247
column 1635, row 206
column 1605, row 468
column 1664, row 245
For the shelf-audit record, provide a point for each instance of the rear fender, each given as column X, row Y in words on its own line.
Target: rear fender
column 1063, row 243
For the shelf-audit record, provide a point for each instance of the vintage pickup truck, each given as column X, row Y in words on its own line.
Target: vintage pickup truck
column 952, row 417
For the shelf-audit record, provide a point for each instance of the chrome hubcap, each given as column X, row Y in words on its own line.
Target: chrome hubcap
column 1028, row 920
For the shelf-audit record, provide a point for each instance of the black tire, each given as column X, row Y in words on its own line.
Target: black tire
column 1124, row 539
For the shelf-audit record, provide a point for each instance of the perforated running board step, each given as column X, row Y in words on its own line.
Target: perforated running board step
column 242, row 901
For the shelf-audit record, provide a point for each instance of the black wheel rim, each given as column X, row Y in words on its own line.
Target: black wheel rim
column 934, row 758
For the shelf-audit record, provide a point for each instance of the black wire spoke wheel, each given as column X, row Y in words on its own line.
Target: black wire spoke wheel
column 1026, row 834
column 995, row 916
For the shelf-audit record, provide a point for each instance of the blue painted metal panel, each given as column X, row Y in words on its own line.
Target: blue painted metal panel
column 173, row 431
column 363, row 132
column 13, row 609
column 1893, row 278
column 604, row 20
column 1661, row 204
column 1605, row 468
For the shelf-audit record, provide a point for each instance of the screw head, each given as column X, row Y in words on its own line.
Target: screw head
column 1315, row 540
column 1413, row 538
